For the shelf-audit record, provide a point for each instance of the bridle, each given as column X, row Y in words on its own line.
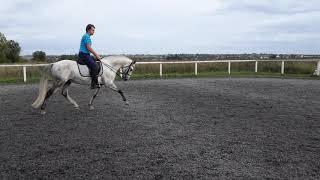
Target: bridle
column 124, row 73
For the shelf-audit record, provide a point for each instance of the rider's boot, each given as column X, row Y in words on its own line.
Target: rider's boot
column 94, row 83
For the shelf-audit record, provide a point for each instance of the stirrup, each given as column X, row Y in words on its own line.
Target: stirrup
column 95, row 86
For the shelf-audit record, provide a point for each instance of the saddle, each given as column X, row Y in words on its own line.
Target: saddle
column 85, row 71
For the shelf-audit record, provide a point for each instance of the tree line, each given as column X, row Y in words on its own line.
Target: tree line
column 10, row 51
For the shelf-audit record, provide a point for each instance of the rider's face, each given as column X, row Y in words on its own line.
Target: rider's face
column 91, row 31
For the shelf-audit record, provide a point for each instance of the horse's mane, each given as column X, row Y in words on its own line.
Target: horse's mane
column 115, row 58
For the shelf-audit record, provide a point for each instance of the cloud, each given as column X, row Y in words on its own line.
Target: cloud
column 163, row 26
column 273, row 7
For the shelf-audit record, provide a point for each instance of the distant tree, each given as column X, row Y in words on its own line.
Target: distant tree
column 273, row 56
column 13, row 51
column 173, row 57
column 39, row 56
column 70, row 57
column 9, row 50
column 3, row 48
column 3, row 39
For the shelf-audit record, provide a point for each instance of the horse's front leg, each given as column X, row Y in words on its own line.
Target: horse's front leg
column 93, row 97
column 123, row 97
column 115, row 88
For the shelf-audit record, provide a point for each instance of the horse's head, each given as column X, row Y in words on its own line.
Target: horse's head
column 127, row 70
column 125, row 64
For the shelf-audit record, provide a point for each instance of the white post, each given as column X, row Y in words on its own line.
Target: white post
column 24, row 74
column 229, row 67
column 160, row 69
column 282, row 67
column 256, row 67
column 318, row 68
column 196, row 69
column 121, row 72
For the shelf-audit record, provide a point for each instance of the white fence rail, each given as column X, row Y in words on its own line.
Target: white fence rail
column 229, row 62
column 232, row 61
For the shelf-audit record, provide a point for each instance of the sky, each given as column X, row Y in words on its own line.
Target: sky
column 164, row 26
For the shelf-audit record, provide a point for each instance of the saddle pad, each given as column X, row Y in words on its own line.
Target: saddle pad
column 85, row 72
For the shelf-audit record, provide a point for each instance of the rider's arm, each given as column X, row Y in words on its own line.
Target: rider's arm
column 92, row 51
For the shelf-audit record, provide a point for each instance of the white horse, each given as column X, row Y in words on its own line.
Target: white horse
column 65, row 72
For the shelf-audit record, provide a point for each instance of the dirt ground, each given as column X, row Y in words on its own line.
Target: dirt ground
column 197, row 128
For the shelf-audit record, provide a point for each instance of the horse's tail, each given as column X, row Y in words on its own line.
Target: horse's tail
column 43, row 86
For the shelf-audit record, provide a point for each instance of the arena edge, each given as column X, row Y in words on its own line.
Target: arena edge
column 18, row 73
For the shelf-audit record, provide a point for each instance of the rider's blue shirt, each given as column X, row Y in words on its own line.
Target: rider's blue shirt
column 84, row 41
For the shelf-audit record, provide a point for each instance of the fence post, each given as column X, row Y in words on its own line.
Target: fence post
column 196, row 69
column 256, row 67
column 24, row 74
column 318, row 68
column 229, row 67
column 282, row 67
column 160, row 69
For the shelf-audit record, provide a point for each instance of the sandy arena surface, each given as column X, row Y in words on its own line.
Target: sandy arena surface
column 197, row 128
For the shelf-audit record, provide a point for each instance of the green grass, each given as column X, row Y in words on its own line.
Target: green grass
column 151, row 71
column 16, row 80
column 240, row 74
column 223, row 74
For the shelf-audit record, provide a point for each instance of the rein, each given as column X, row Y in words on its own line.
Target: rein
column 121, row 73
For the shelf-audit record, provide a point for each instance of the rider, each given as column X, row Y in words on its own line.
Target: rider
column 84, row 55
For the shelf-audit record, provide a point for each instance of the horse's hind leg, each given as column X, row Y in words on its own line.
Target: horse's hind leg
column 49, row 93
column 93, row 97
column 64, row 92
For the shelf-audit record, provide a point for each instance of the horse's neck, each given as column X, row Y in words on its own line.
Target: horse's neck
column 115, row 63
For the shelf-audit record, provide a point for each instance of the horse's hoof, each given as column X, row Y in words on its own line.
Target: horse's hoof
column 77, row 107
column 91, row 107
column 127, row 103
column 43, row 112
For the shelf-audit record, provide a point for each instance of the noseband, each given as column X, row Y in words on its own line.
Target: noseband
column 126, row 70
